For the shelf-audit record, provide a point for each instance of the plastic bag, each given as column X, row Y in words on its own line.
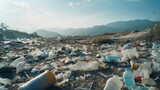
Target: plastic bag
column 5, row 81
column 15, row 62
column 88, row 66
column 131, row 53
column 113, row 83
column 116, row 53
column 21, row 66
column 145, row 70
column 36, row 53
column 52, row 54
column 156, row 53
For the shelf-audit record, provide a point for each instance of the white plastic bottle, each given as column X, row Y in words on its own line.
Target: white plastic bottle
column 128, row 78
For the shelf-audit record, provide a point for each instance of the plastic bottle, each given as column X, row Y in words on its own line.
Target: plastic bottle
column 41, row 82
column 128, row 78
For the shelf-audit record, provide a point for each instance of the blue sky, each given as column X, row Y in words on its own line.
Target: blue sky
column 29, row 15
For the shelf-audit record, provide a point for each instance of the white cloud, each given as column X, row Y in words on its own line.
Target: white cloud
column 78, row 2
column 22, row 5
column 88, row 0
column 70, row 4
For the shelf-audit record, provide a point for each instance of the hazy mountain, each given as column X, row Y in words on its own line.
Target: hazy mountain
column 132, row 24
column 45, row 33
column 12, row 34
column 119, row 26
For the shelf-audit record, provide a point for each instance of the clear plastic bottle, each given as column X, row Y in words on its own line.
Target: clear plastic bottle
column 128, row 78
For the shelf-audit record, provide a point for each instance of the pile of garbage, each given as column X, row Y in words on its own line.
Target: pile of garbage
column 30, row 64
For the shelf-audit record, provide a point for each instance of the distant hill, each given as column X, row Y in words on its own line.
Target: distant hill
column 12, row 34
column 119, row 26
column 45, row 33
column 132, row 24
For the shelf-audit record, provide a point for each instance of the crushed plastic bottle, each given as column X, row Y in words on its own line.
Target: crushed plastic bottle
column 113, row 83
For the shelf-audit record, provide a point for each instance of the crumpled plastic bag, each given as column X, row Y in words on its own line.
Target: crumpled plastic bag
column 65, row 75
column 86, row 66
column 156, row 53
column 116, row 53
column 5, row 81
column 145, row 70
column 15, row 62
column 36, row 53
column 21, row 66
column 113, row 83
column 10, row 54
column 156, row 66
column 52, row 54
column 131, row 53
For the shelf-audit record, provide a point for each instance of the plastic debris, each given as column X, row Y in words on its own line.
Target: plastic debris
column 21, row 66
column 41, row 82
column 87, row 66
column 113, row 83
column 36, row 53
column 5, row 81
column 131, row 53
column 127, row 45
column 145, row 70
column 46, row 67
column 111, row 58
column 156, row 53
column 148, row 81
column 128, row 78
column 154, row 46
column 3, row 88
column 15, row 62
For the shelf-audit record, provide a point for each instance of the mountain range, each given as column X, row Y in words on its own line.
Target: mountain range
column 46, row 34
column 119, row 26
